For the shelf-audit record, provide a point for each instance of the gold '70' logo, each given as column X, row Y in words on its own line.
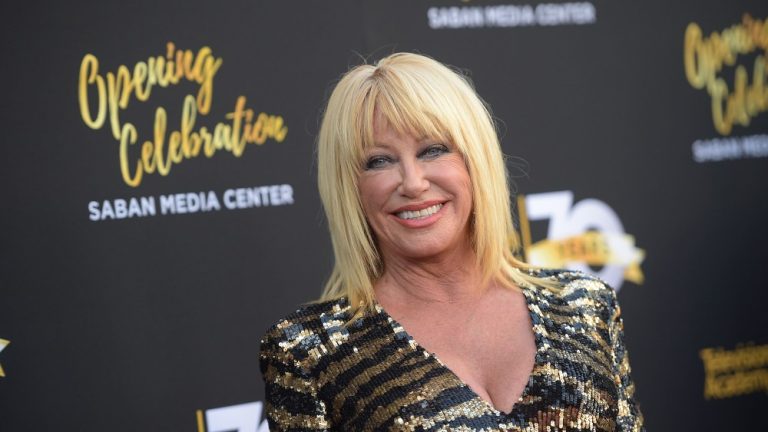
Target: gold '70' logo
column 580, row 235
column 3, row 343
column 240, row 418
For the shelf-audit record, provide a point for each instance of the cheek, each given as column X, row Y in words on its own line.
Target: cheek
column 453, row 175
column 374, row 192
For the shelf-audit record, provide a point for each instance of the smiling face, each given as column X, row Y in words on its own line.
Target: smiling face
column 416, row 195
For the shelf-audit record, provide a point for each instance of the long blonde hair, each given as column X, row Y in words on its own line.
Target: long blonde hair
column 421, row 97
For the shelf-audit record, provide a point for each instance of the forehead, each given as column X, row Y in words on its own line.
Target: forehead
column 384, row 132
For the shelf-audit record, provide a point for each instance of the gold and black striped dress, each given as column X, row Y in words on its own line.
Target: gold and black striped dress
column 371, row 375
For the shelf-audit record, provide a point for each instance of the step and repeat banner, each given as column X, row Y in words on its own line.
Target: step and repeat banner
column 160, row 207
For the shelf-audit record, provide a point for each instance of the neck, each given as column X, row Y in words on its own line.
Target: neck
column 454, row 279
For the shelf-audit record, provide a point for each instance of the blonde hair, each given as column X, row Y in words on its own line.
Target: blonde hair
column 421, row 97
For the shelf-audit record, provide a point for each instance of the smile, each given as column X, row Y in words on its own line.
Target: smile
column 419, row 214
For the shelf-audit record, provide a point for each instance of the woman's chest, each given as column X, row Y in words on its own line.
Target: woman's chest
column 388, row 382
column 493, row 358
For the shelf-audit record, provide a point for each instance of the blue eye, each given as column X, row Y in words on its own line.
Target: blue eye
column 434, row 151
column 375, row 162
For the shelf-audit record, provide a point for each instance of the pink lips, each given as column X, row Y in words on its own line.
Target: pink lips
column 419, row 206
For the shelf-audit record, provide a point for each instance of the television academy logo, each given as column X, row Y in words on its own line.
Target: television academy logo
column 579, row 236
column 734, row 372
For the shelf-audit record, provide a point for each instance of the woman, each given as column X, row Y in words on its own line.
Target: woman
column 413, row 182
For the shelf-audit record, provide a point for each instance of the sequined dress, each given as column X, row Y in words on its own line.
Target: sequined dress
column 372, row 376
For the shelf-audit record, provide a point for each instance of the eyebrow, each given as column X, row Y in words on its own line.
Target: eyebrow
column 423, row 140
column 381, row 145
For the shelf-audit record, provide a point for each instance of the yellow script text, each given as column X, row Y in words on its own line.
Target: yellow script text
column 705, row 57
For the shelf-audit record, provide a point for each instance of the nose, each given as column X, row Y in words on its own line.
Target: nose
column 413, row 181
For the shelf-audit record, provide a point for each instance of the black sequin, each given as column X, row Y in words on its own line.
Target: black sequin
column 372, row 376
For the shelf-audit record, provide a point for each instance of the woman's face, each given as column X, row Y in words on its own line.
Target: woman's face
column 416, row 195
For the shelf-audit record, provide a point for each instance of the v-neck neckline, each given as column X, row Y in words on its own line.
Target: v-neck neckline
column 539, row 333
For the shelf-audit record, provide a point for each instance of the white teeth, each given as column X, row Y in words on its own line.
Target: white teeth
column 420, row 214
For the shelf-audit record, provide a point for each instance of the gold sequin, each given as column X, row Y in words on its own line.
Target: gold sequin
column 370, row 375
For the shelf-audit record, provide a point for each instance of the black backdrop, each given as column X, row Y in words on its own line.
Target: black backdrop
column 151, row 322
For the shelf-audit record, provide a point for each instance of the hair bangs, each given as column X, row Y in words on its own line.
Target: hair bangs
column 406, row 111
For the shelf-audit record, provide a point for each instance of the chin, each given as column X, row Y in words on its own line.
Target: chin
column 425, row 250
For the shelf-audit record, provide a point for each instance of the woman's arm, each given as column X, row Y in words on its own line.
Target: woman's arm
column 629, row 417
column 292, row 403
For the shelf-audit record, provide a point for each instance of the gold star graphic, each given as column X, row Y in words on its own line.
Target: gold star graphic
column 3, row 344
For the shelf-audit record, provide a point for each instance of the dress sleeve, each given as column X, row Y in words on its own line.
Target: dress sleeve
column 292, row 402
column 629, row 416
